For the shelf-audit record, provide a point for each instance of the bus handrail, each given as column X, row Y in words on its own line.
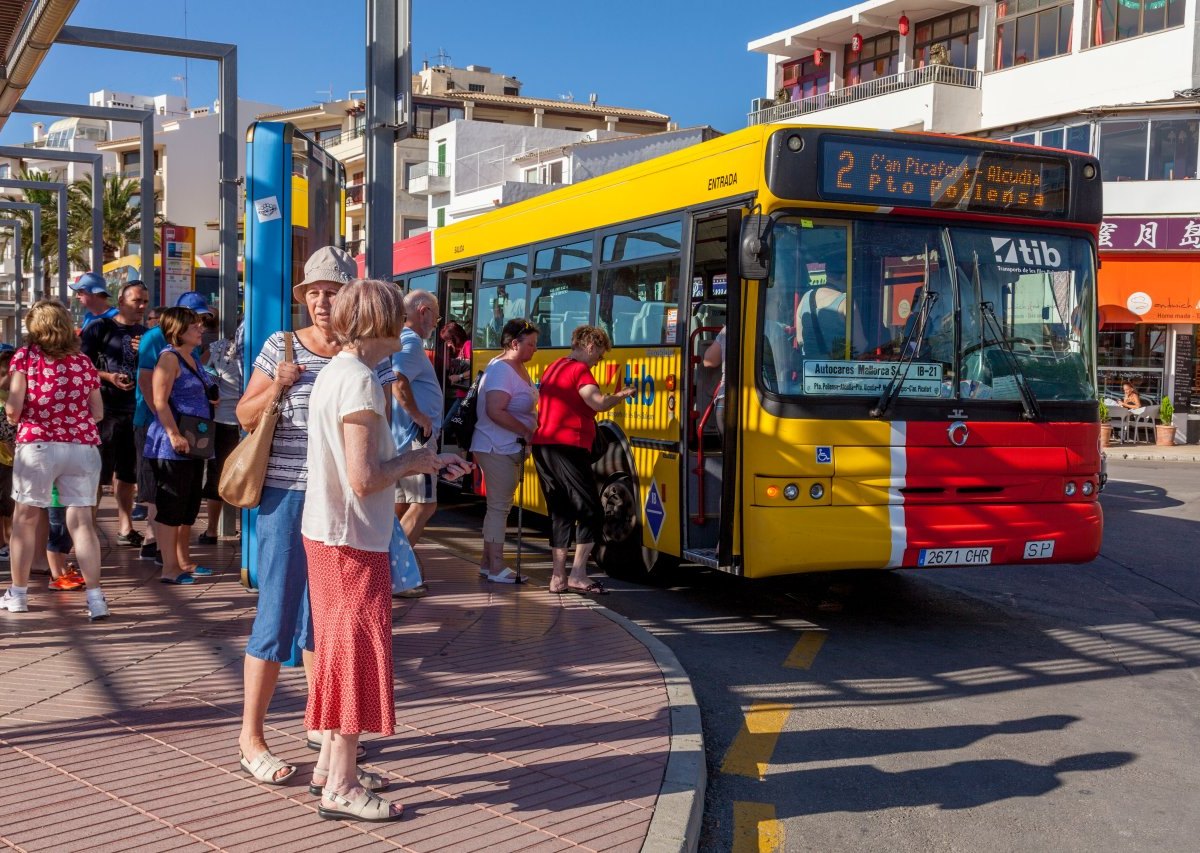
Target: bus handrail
column 693, row 359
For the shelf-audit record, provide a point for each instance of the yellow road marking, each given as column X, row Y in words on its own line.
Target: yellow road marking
column 751, row 750
column 755, row 829
column 805, row 651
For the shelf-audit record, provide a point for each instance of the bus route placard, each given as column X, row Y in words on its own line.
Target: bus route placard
column 947, row 177
column 858, row 378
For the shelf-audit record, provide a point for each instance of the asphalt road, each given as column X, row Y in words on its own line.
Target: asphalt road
column 1048, row 708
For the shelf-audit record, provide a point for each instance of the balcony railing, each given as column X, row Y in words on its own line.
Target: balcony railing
column 430, row 169
column 354, row 194
column 950, row 75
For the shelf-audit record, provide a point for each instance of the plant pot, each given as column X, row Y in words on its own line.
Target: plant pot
column 1105, row 436
column 1164, row 435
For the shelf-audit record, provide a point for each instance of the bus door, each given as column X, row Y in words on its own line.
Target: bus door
column 456, row 298
column 705, row 442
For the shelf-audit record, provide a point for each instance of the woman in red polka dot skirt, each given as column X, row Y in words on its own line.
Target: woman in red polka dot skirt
column 347, row 527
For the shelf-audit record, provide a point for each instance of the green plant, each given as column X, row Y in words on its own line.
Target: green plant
column 1166, row 411
column 1103, row 411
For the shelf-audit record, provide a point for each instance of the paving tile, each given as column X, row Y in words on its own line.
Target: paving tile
column 500, row 746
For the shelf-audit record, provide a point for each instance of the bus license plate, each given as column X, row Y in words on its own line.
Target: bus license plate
column 954, row 557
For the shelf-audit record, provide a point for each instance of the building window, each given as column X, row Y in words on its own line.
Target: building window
column 803, row 79
column 426, row 116
column 1079, row 138
column 1158, row 150
column 949, row 40
column 475, row 87
column 1123, row 150
column 512, row 90
column 1173, row 147
column 412, row 227
column 1122, row 19
column 879, row 57
column 1027, row 30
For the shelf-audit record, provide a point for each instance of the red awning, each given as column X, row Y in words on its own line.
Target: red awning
column 1117, row 315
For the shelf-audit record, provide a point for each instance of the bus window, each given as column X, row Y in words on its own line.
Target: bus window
column 424, row 281
column 561, row 293
column 501, row 297
column 644, row 243
column 639, row 304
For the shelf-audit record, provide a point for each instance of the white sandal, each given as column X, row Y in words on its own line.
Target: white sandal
column 266, row 766
column 366, row 806
column 370, row 781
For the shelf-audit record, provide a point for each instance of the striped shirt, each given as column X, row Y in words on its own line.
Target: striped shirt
column 287, row 468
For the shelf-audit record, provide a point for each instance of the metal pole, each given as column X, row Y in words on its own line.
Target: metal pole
column 15, row 224
column 63, row 233
column 97, row 161
column 389, row 96
column 35, row 214
column 225, row 55
column 146, row 119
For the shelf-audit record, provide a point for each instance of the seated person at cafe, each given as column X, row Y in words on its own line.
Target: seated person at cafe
column 1132, row 399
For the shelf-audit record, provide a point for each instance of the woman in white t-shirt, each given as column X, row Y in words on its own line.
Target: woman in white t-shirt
column 506, row 422
column 347, row 528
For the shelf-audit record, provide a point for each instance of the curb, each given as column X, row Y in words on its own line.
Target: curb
column 675, row 827
column 1164, row 455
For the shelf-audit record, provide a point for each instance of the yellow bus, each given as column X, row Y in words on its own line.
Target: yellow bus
column 909, row 357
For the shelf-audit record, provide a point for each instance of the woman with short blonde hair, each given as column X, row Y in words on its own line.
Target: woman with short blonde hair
column 54, row 400
column 347, row 530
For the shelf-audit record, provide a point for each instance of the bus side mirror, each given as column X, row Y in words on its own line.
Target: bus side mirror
column 755, row 247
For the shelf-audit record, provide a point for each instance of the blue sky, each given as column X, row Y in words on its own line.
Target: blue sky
column 686, row 59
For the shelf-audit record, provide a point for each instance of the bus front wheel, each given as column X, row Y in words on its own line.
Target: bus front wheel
column 621, row 553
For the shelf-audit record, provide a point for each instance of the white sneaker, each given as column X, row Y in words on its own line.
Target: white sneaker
column 97, row 609
column 15, row 602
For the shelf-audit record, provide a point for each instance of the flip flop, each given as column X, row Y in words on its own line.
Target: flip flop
column 200, row 571
column 594, row 588
column 183, row 579
column 507, row 575
column 359, row 755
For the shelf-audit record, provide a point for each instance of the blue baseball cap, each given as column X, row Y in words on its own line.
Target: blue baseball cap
column 91, row 282
column 195, row 301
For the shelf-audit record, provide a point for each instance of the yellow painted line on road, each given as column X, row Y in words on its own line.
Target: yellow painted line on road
column 805, row 651
column 751, row 750
column 755, row 829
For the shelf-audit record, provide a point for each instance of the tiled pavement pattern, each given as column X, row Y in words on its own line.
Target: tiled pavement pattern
column 523, row 722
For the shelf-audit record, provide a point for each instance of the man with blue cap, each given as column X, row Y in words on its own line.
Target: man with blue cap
column 92, row 292
column 151, row 347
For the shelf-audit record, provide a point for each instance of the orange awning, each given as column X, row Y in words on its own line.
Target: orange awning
column 1149, row 289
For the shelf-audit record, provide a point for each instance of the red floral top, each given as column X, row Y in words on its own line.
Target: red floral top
column 56, row 398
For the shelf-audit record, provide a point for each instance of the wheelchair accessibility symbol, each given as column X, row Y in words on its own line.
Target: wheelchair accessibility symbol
column 824, row 455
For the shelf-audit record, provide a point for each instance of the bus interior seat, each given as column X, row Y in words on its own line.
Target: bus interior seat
column 648, row 325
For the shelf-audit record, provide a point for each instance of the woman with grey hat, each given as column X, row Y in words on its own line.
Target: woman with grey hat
column 283, row 613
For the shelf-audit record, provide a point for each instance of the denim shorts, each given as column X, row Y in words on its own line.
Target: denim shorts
column 283, row 610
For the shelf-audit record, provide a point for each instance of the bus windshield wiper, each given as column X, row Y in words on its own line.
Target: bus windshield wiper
column 1029, row 402
column 914, row 339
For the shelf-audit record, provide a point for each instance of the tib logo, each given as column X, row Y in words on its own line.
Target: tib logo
column 1037, row 253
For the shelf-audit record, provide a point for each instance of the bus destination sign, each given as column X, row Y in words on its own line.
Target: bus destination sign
column 944, row 177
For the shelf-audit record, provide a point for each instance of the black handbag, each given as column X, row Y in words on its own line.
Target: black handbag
column 199, row 432
column 459, row 427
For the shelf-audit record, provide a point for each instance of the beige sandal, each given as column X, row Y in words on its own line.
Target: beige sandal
column 366, row 806
column 266, row 766
column 370, row 781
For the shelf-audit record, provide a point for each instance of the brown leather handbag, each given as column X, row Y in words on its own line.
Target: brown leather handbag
column 245, row 470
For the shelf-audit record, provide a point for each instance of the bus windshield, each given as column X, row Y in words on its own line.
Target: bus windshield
column 956, row 312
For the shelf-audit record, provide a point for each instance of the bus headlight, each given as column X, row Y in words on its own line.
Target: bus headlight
column 816, row 491
column 1070, row 489
column 791, row 491
column 1088, row 488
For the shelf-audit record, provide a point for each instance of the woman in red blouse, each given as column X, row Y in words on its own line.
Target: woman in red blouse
column 55, row 403
column 562, row 447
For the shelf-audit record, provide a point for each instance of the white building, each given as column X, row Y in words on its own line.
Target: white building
column 1119, row 79
column 185, row 165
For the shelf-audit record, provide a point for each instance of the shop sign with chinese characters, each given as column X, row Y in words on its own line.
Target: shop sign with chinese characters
column 1150, row 234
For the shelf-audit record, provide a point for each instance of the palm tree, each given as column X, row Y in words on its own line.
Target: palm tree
column 48, row 199
column 122, row 218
